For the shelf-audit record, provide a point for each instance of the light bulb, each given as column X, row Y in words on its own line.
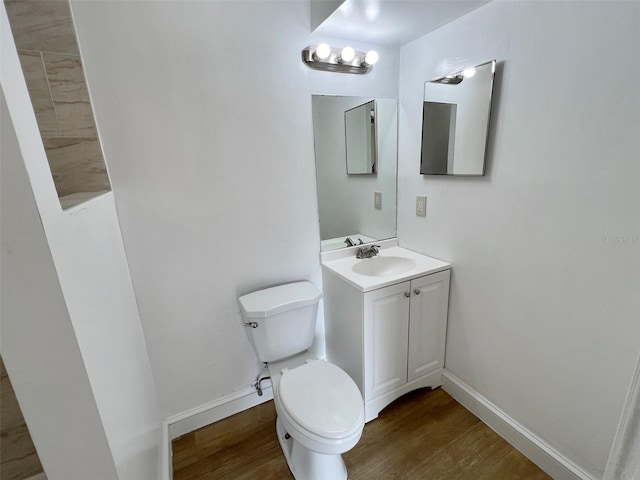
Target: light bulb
column 347, row 54
column 371, row 57
column 469, row 72
column 323, row 51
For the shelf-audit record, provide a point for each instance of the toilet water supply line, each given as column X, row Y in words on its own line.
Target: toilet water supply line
column 258, row 382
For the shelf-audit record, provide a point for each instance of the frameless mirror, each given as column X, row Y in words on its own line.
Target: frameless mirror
column 360, row 139
column 455, row 122
column 358, row 207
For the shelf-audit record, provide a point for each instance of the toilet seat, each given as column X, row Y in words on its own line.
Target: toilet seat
column 322, row 399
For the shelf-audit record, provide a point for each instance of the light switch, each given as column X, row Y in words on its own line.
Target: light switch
column 421, row 205
column 377, row 200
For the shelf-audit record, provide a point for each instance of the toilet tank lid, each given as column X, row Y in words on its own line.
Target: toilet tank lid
column 271, row 301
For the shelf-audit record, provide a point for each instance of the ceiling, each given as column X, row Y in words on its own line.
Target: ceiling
column 392, row 22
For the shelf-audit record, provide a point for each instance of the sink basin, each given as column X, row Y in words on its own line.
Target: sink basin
column 392, row 265
column 382, row 266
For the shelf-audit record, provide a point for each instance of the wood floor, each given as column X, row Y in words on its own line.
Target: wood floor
column 424, row 435
column 18, row 457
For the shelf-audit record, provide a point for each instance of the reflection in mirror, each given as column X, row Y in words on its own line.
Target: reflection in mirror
column 360, row 137
column 455, row 122
column 358, row 207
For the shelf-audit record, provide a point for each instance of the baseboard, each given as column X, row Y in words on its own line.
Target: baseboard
column 373, row 407
column 533, row 447
column 38, row 476
column 166, row 454
column 217, row 410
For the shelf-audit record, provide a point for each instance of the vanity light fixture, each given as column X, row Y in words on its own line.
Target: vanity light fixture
column 449, row 79
column 347, row 55
column 345, row 60
column 371, row 57
column 456, row 78
column 322, row 52
column 469, row 72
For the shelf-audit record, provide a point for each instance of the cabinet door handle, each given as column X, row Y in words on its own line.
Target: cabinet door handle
column 407, row 294
column 416, row 291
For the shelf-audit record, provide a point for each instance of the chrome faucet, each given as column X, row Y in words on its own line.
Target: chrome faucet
column 351, row 243
column 367, row 252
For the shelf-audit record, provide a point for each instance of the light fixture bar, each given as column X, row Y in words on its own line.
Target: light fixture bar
column 335, row 62
column 459, row 76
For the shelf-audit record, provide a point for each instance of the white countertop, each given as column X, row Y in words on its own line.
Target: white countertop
column 342, row 267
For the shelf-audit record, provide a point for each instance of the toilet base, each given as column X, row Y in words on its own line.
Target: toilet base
column 306, row 464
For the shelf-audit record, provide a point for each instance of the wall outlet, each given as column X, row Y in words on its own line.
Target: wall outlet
column 377, row 200
column 421, row 205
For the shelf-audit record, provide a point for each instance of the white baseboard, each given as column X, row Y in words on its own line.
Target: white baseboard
column 538, row 451
column 217, row 410
column 166, row 454
column 183, row 423
column 373, row 407
column 38, row 476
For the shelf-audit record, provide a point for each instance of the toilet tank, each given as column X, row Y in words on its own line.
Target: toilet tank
column 282, row 319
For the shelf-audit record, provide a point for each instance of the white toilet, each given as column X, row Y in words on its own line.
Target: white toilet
column 320, row 409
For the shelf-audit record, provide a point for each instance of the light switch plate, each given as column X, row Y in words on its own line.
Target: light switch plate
column 377, row 200
column 421, row 205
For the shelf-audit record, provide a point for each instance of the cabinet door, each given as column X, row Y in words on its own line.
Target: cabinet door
column 428, row 323
column 386, row 313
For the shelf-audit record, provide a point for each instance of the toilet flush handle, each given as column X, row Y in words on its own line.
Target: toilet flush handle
column 251, row 324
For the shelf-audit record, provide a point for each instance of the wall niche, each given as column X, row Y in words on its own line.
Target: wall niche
column 46, row 41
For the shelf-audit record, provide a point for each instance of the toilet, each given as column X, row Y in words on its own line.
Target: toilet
column 320, row 411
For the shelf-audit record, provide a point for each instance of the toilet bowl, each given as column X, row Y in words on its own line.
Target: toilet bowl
column 320, row 416
column 320, row 410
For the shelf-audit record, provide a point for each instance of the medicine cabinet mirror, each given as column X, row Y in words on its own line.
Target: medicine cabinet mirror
column 359, row 207
column 455, row 122
column 360, row 139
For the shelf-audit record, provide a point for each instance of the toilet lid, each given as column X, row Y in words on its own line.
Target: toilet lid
column 323, row 399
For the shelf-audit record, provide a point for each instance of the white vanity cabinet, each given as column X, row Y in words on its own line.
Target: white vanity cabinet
column 391, row 340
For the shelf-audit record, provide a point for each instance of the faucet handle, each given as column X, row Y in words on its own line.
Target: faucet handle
column 368, row 251
column 349, row 242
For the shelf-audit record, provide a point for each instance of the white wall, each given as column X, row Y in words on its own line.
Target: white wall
column 544, row 304
column 92, row 360
column 204, row 109
column 346, row 202
column 38, row 344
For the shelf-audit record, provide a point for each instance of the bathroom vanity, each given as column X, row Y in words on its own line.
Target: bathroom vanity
column 385, row 321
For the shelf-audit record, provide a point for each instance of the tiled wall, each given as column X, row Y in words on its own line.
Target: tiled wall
column 45, row 37
column 18, row 457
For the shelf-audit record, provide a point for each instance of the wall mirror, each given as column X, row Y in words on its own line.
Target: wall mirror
column 455, row 122
column 360, row 139
column 359, row 207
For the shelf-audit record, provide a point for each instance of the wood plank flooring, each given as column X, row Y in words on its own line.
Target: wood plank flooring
column 425, row 435
column 18, row 457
